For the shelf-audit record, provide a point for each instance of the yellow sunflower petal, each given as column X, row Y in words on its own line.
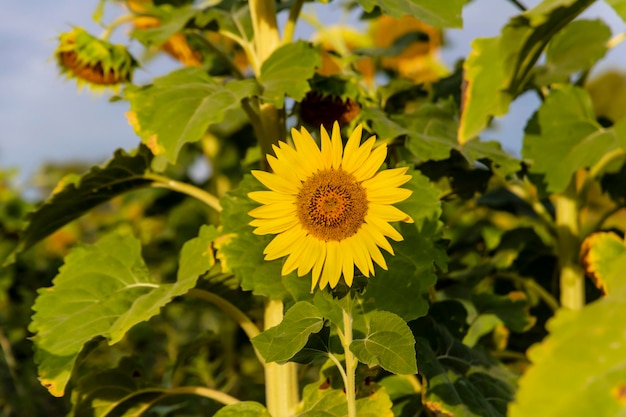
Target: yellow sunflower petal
column 347, row 261
column 306, row 146
column 373, row 162
column 389, row 178
column 281, row 245
column 319, row 265
column 361, row 256
column 298, row 251
column 352, row 145
column 273, row 211
column 273, row 226
column 373, row 250
column 352, row 162
column 327, row 148
column 388, row 195
column 268, row 197
column 332, row 267
column 388, row 213
column 383, row 227
column 337, row 146
column 274, row 182
column 291, row 158
column 313, row 252
column 377, row 237
column 282, row 169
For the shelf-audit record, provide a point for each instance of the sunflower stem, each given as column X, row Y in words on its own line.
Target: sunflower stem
column 281, row 381
column 351, row 363
column 290, row 26
column 181, row 187
column 108, row 30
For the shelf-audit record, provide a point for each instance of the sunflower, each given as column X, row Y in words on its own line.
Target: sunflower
column 330, row 208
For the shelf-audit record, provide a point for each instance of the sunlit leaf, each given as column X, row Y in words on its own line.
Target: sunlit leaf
column 388, row 343
column 577, row 47
column 325, row 402
column 280, row 343
column 171, row 20
column 580, row 368
column 104, row 290
column 243, row 409
column 499, row 68
column 604, row 257
column 287, row 71
column 179, row 107
column 125, row 172
column 565, row 126
column 433, row 12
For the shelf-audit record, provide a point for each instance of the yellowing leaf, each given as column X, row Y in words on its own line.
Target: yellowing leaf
column 604, row 257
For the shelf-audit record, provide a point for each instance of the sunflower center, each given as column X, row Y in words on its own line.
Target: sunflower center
column 332, row 205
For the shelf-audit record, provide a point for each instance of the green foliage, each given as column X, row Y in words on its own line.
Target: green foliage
column 484, row 308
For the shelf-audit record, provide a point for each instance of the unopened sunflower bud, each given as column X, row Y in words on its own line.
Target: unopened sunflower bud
column 94, row 62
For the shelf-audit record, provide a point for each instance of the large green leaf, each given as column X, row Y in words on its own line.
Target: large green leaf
column 287, row 71
column 280, row 343
column 577, row 47
column 388, row 342
column 564, row 137
column 461, row 381
column 402, row 288
column 604, row 256
column 580, row 368
column 242, row 251
column 499, row 68
column 325, row 402
column 172, row 20
column 79, row 194
column 179, row 107
column 434, row 12
column 431, row 132
column 104, row 290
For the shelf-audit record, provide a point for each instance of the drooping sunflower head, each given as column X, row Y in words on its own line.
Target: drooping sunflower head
column 329, row 207
column 94, row 62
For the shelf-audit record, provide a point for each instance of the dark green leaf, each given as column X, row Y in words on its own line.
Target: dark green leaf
column 325, row 402
column 388, row 342
column 512, row 309
column 433, row 12
column 125, row 172
column 580, row 368
column 287, row 71
column 567, row 128
column 104, row 290
column 179, row 107
column 280, row 343
column 460, row 381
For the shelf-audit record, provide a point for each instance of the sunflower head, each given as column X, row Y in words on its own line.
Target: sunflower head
column 329, row 206
column 330, row 99
column 94, row 62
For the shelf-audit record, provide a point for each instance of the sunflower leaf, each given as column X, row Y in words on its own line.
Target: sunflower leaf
column 324, row 402
column 243, row 409
column 388, row 342
column 604, row 257
column 619, row 6
column 499, row 68
column 433, row 12
column 402, row 288
column 280, row 343
column 461, row 381
column 179, row 107
column 580, row 368
column 565, row 125
column 287, row 71
column 104, row 290
column 77, row 195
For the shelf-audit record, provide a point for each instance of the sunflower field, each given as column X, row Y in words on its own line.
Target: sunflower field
column 362, row 245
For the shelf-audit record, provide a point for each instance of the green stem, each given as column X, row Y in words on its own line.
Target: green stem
column 281, row 381
column 231, row 310
column 108, row 30
column 181, row 187
column 351, row 363
column 568, row 247
column 290, row 26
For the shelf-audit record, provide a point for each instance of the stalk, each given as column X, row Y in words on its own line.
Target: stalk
column 351, row 363
column 281, row 381
column 568, row 247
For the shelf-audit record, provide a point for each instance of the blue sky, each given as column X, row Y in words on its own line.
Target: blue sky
column 45, row 118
